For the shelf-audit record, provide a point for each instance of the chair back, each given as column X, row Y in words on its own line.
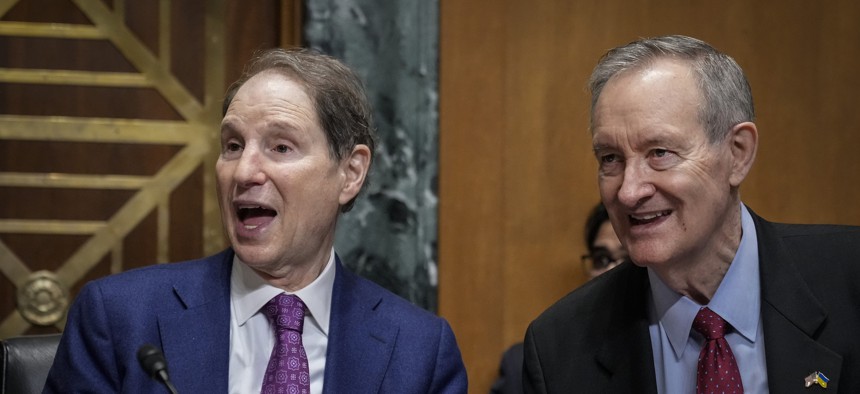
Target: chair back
column 26, row 361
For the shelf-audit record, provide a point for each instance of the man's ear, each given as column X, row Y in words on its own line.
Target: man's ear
column 354, row 168
column 744, row 142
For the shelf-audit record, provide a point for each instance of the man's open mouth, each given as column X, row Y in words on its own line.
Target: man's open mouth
column 646, row 218
column 253, row 216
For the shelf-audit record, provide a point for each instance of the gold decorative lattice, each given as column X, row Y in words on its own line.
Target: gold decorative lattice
column 43, row 296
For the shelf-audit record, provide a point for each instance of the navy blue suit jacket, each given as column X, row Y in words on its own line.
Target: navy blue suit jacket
column 378, row 342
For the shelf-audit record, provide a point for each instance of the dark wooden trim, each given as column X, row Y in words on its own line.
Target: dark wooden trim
column 291, row 23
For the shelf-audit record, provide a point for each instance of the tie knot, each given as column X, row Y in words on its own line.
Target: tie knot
column 710, row 324
column 286, row 312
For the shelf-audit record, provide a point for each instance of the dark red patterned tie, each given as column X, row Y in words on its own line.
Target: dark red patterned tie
column 717, row 371
column 287, row 372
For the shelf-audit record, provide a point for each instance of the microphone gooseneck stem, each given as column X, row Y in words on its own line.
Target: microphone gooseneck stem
column 162, row 376
column 170, row 387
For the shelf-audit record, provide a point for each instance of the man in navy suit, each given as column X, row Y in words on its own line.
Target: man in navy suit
column 673, row 134
column 296, row 146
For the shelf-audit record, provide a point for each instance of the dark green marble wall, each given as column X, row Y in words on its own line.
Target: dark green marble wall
column 390, row 236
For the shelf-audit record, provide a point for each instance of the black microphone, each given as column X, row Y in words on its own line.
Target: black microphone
column 155, row 365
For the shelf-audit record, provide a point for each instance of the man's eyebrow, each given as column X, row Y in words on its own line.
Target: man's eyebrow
column 282, row 125
column 600, row 147
column 652, row 140
column 227, row 125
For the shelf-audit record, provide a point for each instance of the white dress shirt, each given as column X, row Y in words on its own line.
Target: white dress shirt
column 252, row 338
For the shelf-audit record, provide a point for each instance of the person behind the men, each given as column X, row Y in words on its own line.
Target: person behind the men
column 605, row 252
column 770, row 307
column 296, row 146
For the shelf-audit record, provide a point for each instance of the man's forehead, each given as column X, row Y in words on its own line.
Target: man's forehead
column 661, row 68
column 270, row 88
column 656, row 93
column 270, row 77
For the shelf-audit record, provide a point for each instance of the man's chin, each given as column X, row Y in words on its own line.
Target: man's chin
column 637, row 263
column 252, row 256
column 648, row 258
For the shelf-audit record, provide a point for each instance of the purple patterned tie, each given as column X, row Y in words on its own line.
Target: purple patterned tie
column 287, row 372
column 717, row 371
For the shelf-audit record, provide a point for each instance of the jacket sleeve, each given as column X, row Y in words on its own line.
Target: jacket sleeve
column 533, row 381
column 449, row 375
column 85, row 359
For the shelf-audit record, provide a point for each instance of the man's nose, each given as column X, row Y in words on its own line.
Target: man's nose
column 249, row 168
column 637, row 184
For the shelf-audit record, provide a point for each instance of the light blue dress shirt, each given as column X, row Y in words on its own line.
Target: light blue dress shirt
column 676, row 346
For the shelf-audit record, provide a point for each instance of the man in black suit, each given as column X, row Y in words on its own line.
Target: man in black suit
column 673, row 133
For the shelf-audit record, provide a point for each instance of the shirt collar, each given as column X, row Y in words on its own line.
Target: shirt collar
column 249, row 292
column 737, row 299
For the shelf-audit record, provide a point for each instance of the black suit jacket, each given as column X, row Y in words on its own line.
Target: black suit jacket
column 510, row 379
column 596, row 340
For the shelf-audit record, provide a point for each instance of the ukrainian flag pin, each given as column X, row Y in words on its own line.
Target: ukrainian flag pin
column 816, row 378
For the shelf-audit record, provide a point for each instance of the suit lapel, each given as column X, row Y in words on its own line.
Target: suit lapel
column 626, row 354
column 792, row 316
column 195, row 333
column 360, row 341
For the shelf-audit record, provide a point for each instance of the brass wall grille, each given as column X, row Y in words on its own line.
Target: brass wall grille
column 43, row 295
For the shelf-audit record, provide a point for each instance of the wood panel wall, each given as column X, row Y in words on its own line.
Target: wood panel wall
column 517, row 177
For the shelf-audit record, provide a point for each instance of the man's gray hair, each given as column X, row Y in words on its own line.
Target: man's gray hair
column 724, row 87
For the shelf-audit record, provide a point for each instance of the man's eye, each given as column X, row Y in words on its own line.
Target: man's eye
column 610, row 163
column 611, row 158
column 660, row 152
column 232, row 147
column 663, row 159
column 282, row 148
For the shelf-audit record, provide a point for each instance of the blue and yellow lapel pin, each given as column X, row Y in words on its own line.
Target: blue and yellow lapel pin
column 816, row 378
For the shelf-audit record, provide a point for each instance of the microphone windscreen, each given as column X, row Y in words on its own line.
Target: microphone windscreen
column 151, row 359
